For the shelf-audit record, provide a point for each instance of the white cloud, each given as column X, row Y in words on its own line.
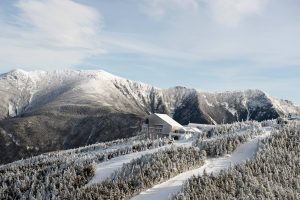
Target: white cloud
column 159, row 8
column 231, row 12
column 245, row 30
column 48, row 33
column 226, row 12
column 55, row 33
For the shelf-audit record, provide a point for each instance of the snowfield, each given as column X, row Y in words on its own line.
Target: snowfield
column 214, row 165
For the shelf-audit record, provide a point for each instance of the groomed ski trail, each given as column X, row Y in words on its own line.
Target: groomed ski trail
column 165, row 190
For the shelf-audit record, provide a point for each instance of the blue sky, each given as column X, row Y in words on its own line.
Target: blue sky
column 211, row 45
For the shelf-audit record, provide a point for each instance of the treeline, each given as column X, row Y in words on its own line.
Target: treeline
column 58, row 175
column 273, row 174
column 145, row 172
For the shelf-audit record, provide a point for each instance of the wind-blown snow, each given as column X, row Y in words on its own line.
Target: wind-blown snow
column 164, row 191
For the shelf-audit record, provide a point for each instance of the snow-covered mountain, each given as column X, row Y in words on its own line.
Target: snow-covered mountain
column 44, row 111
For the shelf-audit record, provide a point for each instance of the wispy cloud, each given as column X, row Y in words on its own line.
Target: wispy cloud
column 159, row 8
column 50, row 33
column 64, row 23
column 232, row 12
column 55, row 33
column 224, row 30
column 226, row 12
column 211, row 44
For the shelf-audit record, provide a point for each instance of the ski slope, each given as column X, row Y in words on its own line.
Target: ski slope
column 105, row 169
column 214, row 165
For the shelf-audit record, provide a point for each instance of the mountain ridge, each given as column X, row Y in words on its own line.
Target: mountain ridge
column 45, row 111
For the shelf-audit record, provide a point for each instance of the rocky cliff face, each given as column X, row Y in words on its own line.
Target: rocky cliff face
column 46, row 111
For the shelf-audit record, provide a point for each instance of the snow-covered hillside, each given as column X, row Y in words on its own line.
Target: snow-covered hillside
column 149, row 169
column 23, row 91
column 168, row 188
column 43, row 111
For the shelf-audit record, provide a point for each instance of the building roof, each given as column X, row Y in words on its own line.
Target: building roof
column 294, row 116
column 169, row 120
column 200, row 125
column 192, row 129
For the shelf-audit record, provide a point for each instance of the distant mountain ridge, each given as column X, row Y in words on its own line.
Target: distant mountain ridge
column 43, row 111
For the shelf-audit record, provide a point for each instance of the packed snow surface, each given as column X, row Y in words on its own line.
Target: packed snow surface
column 105, row 169
column 214, row 165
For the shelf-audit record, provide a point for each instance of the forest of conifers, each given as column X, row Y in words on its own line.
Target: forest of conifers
column 274, row 173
